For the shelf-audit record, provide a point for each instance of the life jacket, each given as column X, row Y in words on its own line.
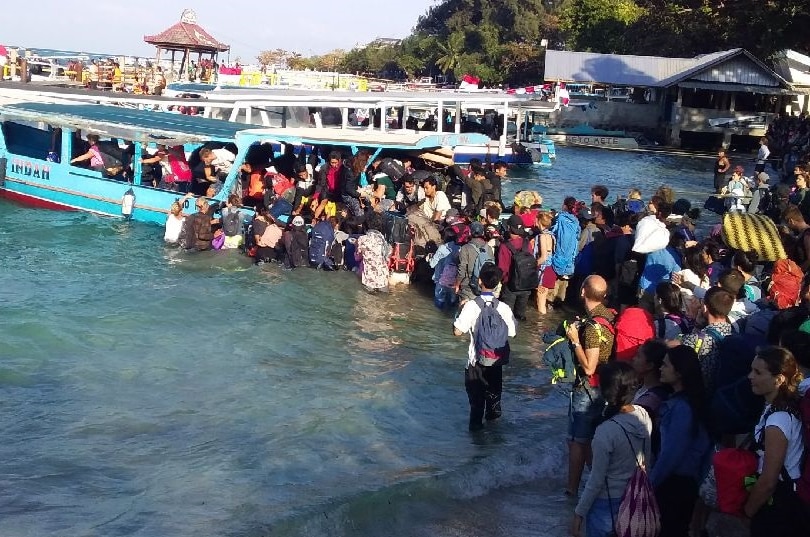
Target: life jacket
column 256, row 185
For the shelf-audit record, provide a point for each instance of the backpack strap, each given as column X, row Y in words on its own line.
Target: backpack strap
column 710, row 332
column 662, row 327
column 598, row 321
column 630, row 443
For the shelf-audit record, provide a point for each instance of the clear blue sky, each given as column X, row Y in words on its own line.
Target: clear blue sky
column 248, row 26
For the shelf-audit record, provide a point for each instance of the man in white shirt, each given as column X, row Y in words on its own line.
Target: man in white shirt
column 484, row 383
column 762, row 155
column 436, row 203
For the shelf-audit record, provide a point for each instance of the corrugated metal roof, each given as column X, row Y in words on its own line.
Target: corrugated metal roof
column 657, row 71
column 737, row 71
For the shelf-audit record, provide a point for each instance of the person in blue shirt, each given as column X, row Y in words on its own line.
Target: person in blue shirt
column 658, row 268
column 685, row 444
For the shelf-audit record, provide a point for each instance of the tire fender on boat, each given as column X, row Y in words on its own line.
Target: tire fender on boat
column 128, row 203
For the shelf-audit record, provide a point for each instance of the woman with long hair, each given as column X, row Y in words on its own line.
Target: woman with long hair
column 696, row 272
column 685, row 444
column 773, row 505
column 350, row 179
column 620, row 444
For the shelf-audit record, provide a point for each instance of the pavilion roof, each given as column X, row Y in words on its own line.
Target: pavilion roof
column 186, row 34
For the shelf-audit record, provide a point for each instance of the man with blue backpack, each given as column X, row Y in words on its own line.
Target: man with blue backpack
column 490, row 324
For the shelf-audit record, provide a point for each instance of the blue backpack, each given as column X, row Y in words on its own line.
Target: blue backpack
column 483, row 258
column 491, row 335
column 320, row 245
column 566, row 236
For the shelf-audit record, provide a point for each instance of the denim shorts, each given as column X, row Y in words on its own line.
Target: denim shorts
column 584, row 413
column 599, row 521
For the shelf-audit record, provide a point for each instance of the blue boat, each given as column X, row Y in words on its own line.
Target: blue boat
column 36, row 146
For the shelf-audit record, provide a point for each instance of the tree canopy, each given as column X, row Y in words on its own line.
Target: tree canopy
column 504, row 41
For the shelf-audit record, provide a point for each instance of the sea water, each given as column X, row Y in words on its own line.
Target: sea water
column 149, row 392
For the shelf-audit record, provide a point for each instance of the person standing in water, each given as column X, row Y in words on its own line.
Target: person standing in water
column 762, row 155
column 721, row 167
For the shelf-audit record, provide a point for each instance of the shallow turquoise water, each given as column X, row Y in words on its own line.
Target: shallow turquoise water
column 148, row 392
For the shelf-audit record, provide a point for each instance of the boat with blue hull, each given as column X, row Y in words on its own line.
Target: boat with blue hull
column 37, row 145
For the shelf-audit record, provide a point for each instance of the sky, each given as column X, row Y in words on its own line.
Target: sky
column 117, row 27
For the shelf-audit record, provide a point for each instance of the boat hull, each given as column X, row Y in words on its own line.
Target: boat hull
column 54, row 186
column 525, row 155
column 594, row 140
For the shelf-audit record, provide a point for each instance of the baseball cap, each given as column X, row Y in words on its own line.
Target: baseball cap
column 298, row 221
column 476, row 229
column 514, row 222
column 586, row 214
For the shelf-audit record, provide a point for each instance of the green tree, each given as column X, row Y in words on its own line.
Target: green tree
column 451, row 51
column 599, row 25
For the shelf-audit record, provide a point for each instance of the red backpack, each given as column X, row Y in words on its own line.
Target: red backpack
column 634, row 326
column 786, row 284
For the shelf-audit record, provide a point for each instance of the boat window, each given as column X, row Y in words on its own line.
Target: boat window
column 29, row 140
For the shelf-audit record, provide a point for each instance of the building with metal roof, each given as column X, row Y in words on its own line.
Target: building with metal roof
column 691, row 95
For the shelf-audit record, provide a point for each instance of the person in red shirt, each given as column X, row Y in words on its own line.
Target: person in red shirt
column 517, row 300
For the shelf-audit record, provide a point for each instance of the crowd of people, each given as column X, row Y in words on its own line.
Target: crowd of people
column 790, row 138
column 677, row 345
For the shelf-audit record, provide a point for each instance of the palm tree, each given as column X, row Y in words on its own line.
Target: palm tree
column 450, row 52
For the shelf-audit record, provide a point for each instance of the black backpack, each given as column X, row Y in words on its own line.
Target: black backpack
column 231, row 222
column 523, row 269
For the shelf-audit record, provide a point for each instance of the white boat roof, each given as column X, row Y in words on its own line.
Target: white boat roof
column 162, row 127
column 316, row 97
column 406, row 140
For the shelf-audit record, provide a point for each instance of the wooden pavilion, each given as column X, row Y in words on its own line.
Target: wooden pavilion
column 186, row 37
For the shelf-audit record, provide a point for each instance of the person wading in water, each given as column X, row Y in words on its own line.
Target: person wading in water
column 721, row 167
